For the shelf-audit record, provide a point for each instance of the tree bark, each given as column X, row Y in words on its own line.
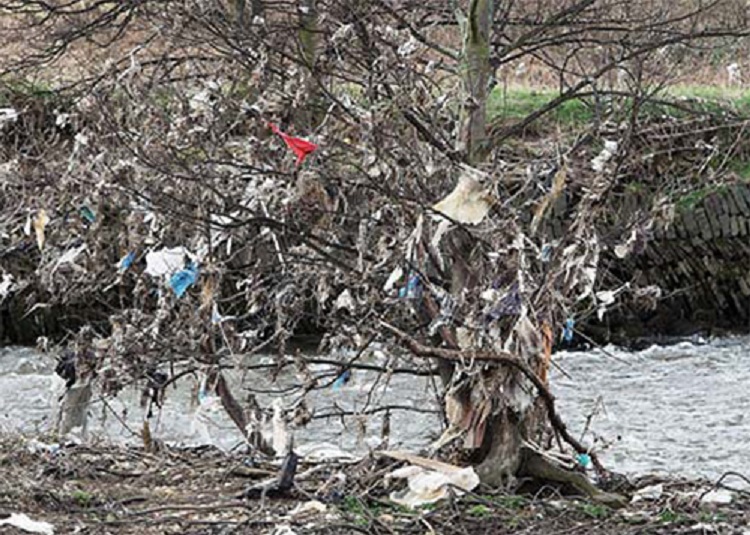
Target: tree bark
column 475, row 71
column 309, row 116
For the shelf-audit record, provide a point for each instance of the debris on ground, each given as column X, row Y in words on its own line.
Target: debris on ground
column 98, row 489
column 24, row 523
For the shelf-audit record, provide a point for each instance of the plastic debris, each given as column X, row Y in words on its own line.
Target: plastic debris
column 308, row 509
column 6, row 286
column 300, row 147
column 216, row 317
column 546, row 254
column 609, row 150
column 37, row 446
column 166, row 261
column 508, row 305
column 88, row 214
column 40, row 223
column 284, row 529
column 69, row 256
column 8, row 115
column 345, row 301
column 324, row 452
column 280, row 438
column 702, row 527
column 412, row 290
column 342, row 379
column 624, row 249
column 204, row 420
column 184, row 279
column 393, row 278
column 607, row 298
column 409, row 47
column 447, row 313
column 652, row 492
column 24, row 523
column 570, row 324
column 734, row 74
column 469, row 202
column 718, row 497
column 81, row 139
column 583, row 459
column 125, row 262
column 428, row 480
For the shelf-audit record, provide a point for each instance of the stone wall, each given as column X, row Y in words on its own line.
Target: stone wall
column 699, row 257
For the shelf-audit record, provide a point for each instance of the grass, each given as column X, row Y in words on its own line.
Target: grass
column 479, row 511
column 697, row 195
column 511, row 501
column 82, row 498
column 739, row 99
column 692, row 199
column 741, row 167
column 668, row 516
column 595, row 510
column 17, row 86
column 518, row 102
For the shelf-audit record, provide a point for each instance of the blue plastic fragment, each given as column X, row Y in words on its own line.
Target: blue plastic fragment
column 126, row 261
column 202, row 393
column 184, row 279
column 88, row 214
column 508, row 305
column 584, row 459
column 568, row 329
column 546, row 253
column 342, row 379
column 412, row 288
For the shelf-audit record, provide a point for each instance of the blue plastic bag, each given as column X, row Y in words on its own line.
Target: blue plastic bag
column 412, row 290
column 568, row 329
column 125, row 262
column 508, row 305
column 546, row 253
column 88, row 214
column 184, row 279
column 342, row 379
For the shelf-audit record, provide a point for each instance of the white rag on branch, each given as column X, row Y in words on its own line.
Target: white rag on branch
column 469, row 202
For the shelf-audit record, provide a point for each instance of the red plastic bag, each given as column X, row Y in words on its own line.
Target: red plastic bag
column 300, row 147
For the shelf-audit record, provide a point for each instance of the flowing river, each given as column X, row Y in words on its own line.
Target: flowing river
column 677, row 410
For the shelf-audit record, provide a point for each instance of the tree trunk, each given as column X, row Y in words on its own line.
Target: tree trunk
column 309, row 116
column 475, row 71
column 499, row 410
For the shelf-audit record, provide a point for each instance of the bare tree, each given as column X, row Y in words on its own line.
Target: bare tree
column 414, row 223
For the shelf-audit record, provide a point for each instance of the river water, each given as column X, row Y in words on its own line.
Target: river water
column 677, row 410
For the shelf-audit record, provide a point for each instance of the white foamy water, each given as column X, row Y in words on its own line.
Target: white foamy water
column 677, row 410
